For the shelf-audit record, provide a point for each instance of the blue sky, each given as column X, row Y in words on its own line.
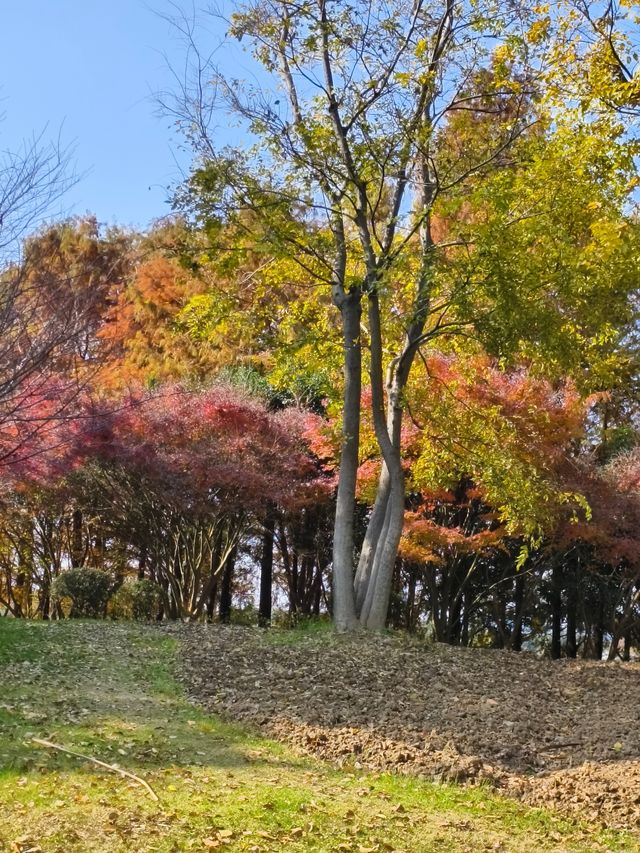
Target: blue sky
column 87, row 68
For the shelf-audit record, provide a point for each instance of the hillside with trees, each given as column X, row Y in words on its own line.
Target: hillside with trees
column 379, row 368
column 381, row 364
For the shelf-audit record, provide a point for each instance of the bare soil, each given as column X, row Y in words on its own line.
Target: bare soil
column 563, row 734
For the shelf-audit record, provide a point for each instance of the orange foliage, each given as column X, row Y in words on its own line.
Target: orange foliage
column 140, row 335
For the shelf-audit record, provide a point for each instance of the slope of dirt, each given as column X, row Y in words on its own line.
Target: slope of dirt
column 564, row 734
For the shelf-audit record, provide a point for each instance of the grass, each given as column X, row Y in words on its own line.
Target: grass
column 107, row 690
column 303, row 629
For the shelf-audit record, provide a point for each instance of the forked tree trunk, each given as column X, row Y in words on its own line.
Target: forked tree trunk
column 371, row 538
column 366, row 597
column 376, row 605
column 384, row 539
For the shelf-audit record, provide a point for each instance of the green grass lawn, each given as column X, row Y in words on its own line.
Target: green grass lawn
column 107, row 690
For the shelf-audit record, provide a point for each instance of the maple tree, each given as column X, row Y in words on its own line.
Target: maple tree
column 172, row 478
column 595, row 562
column 177, row 474
column 488, row 466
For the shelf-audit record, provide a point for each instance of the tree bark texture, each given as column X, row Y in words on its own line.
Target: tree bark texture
column 344, row 611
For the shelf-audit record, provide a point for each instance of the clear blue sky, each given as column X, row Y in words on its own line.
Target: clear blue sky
column 88, row 67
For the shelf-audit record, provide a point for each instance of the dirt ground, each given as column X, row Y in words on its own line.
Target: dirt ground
column 564, row 734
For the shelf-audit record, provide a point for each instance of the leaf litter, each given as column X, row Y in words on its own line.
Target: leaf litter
column 560, row 734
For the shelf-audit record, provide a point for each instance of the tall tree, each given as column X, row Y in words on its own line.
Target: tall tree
column 346, row 170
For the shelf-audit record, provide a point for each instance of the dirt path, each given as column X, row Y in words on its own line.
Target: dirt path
column 565, row 734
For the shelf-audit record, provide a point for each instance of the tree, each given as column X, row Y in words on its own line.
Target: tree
column 33, row 179
column 595, row 563
column 347, row 174
column 597, row 62
column 179, row 474
column 51, row 302
column 140, row 336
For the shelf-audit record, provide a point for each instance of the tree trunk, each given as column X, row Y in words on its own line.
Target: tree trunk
column 411, row 600
column 45, row 605
column 387, row 429
column 372, row 538
column 226, row 588
column 626, row 652
column 317, row 595
column 374, row 613
column 142, row 562
column 464, row 638
column 390, row 498
column 210, row 592
column 571, row 645
column 556, row 612
column 598, row 645
column 455, row 626
column 518, row 597
column 397, row 609
column 76, row 539
column 344, row 610
column 266, row 570
column 211, row 600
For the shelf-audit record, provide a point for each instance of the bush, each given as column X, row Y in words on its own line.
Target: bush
column 87, row 589
column 301, row 622
column 136, row 599
column 247, row 615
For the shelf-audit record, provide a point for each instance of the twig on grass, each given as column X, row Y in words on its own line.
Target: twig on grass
column 97, row 761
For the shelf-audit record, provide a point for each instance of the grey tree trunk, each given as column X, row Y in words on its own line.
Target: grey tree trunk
column 372, row 539
column 344, row 610
column 375, row 608
column 383, row 543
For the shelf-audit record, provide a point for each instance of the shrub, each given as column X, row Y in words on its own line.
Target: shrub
column 303, row 623
column 87, row 589
column 247, row 615
column 135, row 599
column 145, row 597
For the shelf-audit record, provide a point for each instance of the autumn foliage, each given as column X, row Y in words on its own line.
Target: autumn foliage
column 408, row 314
column 192, row 447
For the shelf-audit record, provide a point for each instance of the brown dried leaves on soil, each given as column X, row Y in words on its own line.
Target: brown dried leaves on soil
column 563, row 734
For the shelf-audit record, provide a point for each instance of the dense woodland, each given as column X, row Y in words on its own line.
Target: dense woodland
column 381, row 363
